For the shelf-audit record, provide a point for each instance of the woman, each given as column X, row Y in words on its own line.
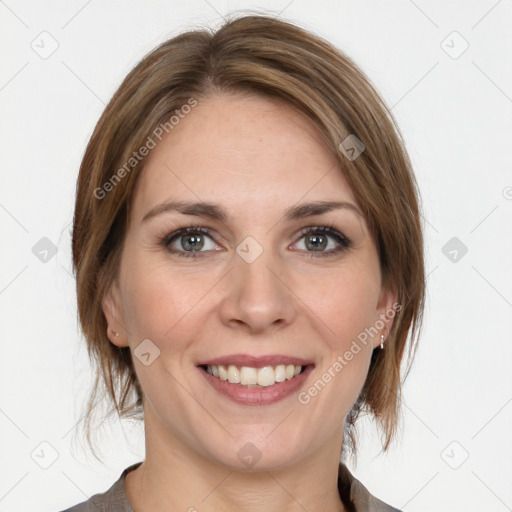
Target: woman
column 249, row 261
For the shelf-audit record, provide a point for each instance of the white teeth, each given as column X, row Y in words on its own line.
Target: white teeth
column 254, row 377
column 266, row 376
column 280, row 373
column 248, row 376
column 223, row 373
column 233, row 374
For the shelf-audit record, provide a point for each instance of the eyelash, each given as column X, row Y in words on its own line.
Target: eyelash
column 342, row 240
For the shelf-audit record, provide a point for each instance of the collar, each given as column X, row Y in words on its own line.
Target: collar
column 353, row 493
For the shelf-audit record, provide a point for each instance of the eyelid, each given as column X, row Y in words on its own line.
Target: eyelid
column 343, row 241
column 181, row 230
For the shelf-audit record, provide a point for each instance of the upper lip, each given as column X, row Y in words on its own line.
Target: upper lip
column 255, row 361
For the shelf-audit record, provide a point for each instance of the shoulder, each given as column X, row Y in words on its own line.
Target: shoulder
column 354, row 492
column 113, row 499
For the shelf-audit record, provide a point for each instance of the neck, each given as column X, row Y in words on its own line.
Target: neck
column 174, row 477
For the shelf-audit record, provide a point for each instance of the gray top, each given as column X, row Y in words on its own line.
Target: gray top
column 353, row 493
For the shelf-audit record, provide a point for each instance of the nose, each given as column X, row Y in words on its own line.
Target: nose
column 258, row 297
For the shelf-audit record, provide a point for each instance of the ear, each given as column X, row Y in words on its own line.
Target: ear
column 116, row 331
column 387, row 308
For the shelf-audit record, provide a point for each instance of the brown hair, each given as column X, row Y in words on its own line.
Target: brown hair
column 253, row 54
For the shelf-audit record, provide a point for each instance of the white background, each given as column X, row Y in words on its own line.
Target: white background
column 455, row 114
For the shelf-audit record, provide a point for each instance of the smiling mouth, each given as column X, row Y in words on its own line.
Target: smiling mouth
column 251, row 377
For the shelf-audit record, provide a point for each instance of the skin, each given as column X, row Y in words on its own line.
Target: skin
column 256, row 157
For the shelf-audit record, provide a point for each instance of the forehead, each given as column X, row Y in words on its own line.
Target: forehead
column 241, row 150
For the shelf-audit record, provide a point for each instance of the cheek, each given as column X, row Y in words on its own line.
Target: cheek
column 348, row 309
column 347, row 303
column 157, row 299
column 160, row 304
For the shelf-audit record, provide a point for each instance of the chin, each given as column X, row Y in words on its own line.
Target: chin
column 255, row 453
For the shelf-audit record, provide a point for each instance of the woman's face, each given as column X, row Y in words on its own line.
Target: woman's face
column 253, row 286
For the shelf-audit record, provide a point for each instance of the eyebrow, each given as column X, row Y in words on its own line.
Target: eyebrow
column 218, row 212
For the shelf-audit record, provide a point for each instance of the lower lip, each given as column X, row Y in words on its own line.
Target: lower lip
column 258, row 396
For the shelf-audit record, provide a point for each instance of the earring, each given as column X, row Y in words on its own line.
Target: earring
column 382, row 341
